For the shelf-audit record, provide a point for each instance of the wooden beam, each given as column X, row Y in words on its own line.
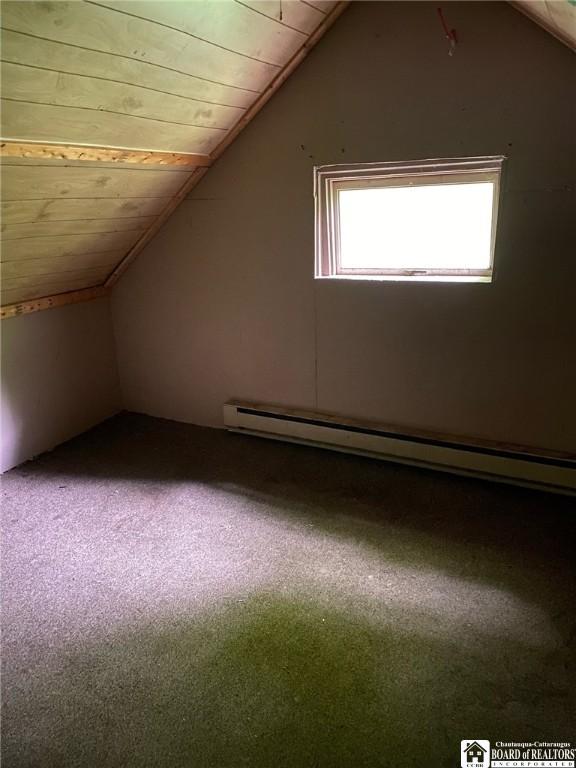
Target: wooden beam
column 280, row 78
column 16, row 149
column 48, row 302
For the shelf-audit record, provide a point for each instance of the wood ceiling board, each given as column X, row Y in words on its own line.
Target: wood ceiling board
column 25, row 83
column 165, row 76
column 73, row 113
column 48, row 264
column 89, row 209
column 556, row 16
column 67, row 245
column 106, row 30
column 49, row 284
column 21, row 48
column 161, row 122
column 43, row 122
column 95, row 275
column 563, row 16
column 16, row 295
column 296, row 15
column 326, row 6
column 34, row 267
column 235, row 28
column 26, row 306
column 42, row 182
column 79, row 227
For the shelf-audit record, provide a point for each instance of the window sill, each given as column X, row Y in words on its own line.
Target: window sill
column 410, row 278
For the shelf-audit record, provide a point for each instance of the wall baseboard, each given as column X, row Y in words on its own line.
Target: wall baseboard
column 553, row 472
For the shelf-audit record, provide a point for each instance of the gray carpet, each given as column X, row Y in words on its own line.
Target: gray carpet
column 177, row 596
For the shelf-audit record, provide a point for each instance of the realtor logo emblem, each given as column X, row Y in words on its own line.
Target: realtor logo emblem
column 475, row 753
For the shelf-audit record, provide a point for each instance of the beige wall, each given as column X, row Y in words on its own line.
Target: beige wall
column 59, row 377
column 222, row 304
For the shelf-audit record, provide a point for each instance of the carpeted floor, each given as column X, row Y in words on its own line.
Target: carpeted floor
column 177, row 596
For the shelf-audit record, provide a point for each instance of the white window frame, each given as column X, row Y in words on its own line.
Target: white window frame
column 329, row 180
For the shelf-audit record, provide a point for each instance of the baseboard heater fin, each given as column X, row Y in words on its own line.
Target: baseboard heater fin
column 554, row 472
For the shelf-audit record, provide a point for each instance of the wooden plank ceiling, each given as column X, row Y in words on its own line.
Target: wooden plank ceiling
column 112, row 111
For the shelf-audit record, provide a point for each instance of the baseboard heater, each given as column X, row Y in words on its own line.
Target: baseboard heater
column 552, row 472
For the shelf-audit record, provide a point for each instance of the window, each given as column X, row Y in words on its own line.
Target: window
column 420, row 220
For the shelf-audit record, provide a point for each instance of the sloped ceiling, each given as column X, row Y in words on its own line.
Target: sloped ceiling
column 113, row 110
column 556, row 16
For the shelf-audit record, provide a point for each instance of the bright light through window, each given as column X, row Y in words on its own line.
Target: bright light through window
column 377, row 227
column 432, row 220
